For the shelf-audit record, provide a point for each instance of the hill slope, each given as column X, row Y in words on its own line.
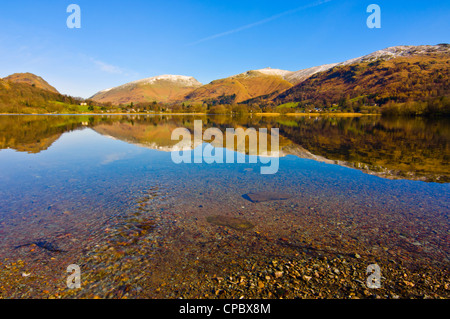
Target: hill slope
column 163, row 88
column 22, row 96
column 31, row 79
column 302, row 75
column 242, row 87
column 398, row 74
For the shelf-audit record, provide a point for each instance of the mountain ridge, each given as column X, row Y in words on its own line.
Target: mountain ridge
column 241, row 87
column 394, row 75
column 398, row 74
column 161, row 88
column 260, row 84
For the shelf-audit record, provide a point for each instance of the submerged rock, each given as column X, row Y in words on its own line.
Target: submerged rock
column 232, row 222
column 265, row 197
column 44, row 245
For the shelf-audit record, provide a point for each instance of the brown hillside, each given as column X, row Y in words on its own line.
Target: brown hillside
column 24, row 98
column 244, row 86
column 402, row 79
column 166, row 89
column 31, row 79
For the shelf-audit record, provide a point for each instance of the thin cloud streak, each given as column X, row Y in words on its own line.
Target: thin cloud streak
column 108, row 68
column 252, row 25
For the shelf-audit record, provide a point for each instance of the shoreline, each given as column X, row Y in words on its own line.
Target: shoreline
column 206, row 114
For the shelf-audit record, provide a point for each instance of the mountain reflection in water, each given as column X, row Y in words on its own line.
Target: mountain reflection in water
column 400, row 148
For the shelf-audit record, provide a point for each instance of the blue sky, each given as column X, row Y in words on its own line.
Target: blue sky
column 121, row 41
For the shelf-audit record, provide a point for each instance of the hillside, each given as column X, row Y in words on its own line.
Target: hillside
column 396, row 75
column 22, row 96
column 401, row 80
column 242, row 87
column 31, row 79
column 302, row 75
column 163, row 88
column 412, row 78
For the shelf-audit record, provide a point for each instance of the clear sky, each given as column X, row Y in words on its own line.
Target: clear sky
column 122, row 41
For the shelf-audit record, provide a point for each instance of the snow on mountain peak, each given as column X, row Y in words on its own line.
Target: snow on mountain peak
column 106, row 90
column 182, row 79
column 271, row 71
column 300, row 76
column 398, row 51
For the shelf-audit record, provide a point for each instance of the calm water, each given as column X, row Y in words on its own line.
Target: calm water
column 371, row 186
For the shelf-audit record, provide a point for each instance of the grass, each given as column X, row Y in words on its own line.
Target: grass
column 70, row 108
column 290, row 105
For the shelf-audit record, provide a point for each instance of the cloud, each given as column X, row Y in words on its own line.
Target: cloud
column 108, row 68
column 252, row 25
column 110, row 158
column 112, row 69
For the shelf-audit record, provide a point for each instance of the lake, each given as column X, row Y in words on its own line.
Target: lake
column 104, row 193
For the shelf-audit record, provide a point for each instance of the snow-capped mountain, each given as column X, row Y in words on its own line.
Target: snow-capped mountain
column 163, row 88
column 253, row 84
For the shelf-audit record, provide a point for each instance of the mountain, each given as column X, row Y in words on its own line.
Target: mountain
column 31, row 79
column 402, row 74
column 176, row 88
column 399, row 51
column 400, row 80
column 302, row 75
column 163, row 88
column 29, row 93
column 242, row 87
column 397, row 74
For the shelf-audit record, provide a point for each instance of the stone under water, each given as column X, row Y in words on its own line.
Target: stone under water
column 265, row 197
column 232, row 222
